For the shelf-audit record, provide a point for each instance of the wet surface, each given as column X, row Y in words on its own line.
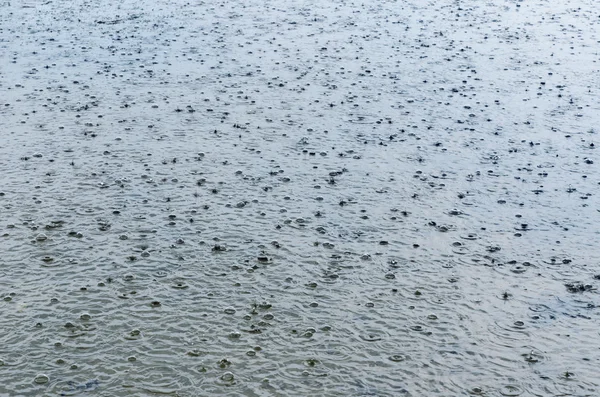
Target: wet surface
column 268, row 198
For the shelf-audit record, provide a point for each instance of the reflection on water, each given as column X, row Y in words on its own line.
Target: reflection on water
column 273, row 198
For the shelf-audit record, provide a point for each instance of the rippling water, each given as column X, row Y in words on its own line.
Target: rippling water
column 280, row 198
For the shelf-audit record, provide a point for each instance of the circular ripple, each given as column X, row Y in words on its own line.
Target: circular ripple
column 398, row 358
column 461, row 250
column 511, row 390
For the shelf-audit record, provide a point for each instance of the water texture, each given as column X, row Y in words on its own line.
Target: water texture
column 280, row 198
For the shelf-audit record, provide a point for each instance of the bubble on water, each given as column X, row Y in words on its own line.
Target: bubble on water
column 519, row 324
column 41, row 379
column 134, row 334
column 307, row 334
column 228, row 377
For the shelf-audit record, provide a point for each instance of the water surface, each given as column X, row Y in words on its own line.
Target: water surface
column 279, row 198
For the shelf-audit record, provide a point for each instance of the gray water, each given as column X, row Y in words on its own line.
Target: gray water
column 279, row 198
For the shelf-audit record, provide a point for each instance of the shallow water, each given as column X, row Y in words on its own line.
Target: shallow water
column 280, row 198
